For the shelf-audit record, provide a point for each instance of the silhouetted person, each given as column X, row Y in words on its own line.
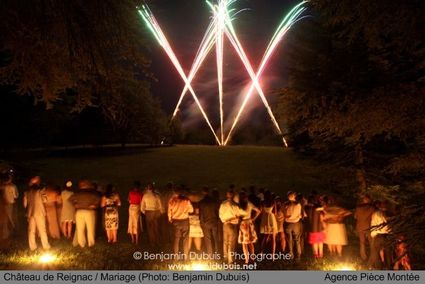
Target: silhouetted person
column 229, row 216
column 363, row 216
column 208, row 216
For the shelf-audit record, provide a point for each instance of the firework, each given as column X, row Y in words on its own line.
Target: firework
column 220, row 25
column 162, row 40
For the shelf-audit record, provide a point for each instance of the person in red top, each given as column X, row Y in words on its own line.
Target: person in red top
column 134, row 198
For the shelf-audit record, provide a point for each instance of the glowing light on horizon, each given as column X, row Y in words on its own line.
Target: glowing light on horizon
column 46, row 258
column 341, row 266
column 220, row 25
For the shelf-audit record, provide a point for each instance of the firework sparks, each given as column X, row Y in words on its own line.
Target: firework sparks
column 220, row 25
column 160, row 37
column 284, row 26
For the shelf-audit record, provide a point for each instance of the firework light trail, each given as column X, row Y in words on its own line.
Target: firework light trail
column 219, row 54
column 159, row 35
column 284, row 26
column 221, row 24
column 206, row 45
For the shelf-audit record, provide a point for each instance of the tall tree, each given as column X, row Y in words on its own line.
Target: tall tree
column 133, row 114
column 51, row 46
column 357, row 72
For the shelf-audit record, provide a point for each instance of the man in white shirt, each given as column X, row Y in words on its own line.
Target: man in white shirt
column 10, row 195
column 229, row 215
column 293, row 213
column 380, row 256
column 36, row 214
column 179, row 208
column 151, row 207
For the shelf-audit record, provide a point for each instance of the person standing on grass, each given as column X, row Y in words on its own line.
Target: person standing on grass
column 363, row 216
column 316, row 227
column 280, row 220
column 151, row 207
column 86, row 201
column 268, row 225
column 196, row 233
column 51, row 203
column 247, row 234
column 208, row 216
column 229, row 216
column 293, row 212
column 10, row 194
column 4, row 225
column 179, row 208
column 165, row 228
column 67, row 217
column 36, row 213
column 110, row 201
column 336, row 233
column 134, row 199
column 381, row 254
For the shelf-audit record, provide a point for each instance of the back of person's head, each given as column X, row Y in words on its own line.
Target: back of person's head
column 110, row 190
column 383, row 205
column 150, row 186
column 267, row 194
column 324, row 200
column 169, row 186
column 311, row 199
column 85, row 184
column 137, row 184
column 252, row 189
column 365, row 199
column 205, row 190
column 35, row 180
column 268, row 199
column 215, row 194
column 6, row 177
column 278, row 201
column 300, row 197
column 230, row 194
column 243, row 200
column 292, row 195
column 332, row 201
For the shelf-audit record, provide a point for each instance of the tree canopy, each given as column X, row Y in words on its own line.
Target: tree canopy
column 49, row 47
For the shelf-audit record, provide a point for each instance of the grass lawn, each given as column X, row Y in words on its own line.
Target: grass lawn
column 275, row 168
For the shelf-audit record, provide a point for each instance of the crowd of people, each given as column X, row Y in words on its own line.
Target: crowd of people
column 259, row 220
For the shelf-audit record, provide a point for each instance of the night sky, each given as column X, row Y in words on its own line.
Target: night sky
column 184, row 23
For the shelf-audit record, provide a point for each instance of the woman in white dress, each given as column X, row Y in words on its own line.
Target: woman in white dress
column 195, row 231
column 67, row 217
column 336, row 234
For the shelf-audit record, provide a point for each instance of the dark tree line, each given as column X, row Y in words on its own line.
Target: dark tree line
column 78, row 57
column 356, row 95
